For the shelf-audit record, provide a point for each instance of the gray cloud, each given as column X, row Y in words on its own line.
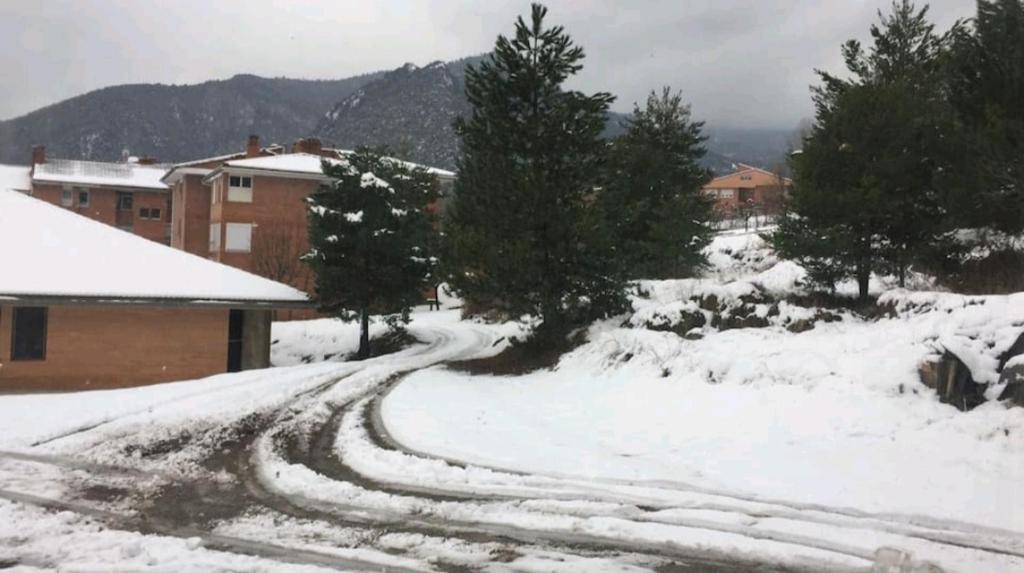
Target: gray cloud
column 739, row 62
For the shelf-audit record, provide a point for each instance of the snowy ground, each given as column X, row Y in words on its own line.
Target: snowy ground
column 727, row 450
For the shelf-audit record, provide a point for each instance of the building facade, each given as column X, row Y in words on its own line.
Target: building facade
column 748, row 191
column 85, row 306
column 129, row 195
column 248, row 210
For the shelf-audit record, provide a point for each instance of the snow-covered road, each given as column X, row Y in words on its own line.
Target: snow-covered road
column 297, row 466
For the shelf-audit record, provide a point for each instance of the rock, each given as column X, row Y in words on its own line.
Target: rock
column 1016, row 349
column 743, row 317
column 1013, row 376
column 708, row 302
column 891, row 560
column 694, row 334
column 801, row 325
column 1011, row 372
column 688, row 320
column 952, row 381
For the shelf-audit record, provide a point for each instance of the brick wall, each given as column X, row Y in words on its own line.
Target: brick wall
column 191, row 215
column 102, row 207
column 91, row 347
column 278, row 213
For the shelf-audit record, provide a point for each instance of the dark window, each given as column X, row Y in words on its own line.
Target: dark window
column 124, row 201
column 28, row 339
column 144, row 213
column 154, row 214
column 239, row 181
column 235, row 330
column 83, row 198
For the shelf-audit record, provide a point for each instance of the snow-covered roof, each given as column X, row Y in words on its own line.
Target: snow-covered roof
column 15, row 178
column 273, row 148
column 305, row 163
column 308, row 163
column 48, row 251
column 126, row 175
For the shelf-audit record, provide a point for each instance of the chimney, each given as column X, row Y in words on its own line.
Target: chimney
column 38, row 154
column 309, row 145
column 147, row 160
column 252, row 149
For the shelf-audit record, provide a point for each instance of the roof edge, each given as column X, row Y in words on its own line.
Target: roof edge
column 165, row 302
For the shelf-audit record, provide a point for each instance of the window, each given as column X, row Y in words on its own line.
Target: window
column 214, row 237
column 83, row 197
column 124, row 201
column 725, row 193
column 28, row 339
column 67, row 198
column 240, row 189
column 238, row 237
column 149, row 213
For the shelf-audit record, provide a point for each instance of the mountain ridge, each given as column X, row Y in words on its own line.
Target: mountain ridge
column 411, row 109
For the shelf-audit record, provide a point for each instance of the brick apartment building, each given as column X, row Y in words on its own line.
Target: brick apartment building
column 84, row 306
column 748, row 189
column 245, row 209
column 248, row 209
column 127, row 195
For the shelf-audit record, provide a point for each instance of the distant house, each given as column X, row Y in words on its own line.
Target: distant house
column 748, row 189
column 128, row 195
column 84, row 305
column 248, row 209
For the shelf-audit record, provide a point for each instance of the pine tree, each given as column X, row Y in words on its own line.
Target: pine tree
column 523, row 233
column 371, row 238
column 987, row 89
column 870, row 181
column 659, row 216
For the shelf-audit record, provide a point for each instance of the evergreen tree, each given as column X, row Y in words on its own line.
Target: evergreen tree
column 659, row 216
column 987, row 90
column 371, row 236
column 523, row 232
column 869, row 184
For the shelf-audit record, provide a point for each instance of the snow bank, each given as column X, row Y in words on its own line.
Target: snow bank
column 833, row 416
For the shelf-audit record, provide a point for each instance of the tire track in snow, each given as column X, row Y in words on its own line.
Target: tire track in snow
column 945, row 532
column 319, row 459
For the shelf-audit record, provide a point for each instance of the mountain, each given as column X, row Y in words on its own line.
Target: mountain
column 410, row 109
column 175, row 122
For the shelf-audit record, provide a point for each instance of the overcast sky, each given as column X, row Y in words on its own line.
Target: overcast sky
column 739, row 62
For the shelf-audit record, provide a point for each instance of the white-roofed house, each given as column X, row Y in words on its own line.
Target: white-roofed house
column 253, row 211
column 128, row 195
column 84, row 305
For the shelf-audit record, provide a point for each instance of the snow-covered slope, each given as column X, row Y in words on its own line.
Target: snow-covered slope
column 834, row 414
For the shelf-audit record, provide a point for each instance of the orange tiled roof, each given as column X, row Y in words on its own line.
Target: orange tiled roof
column 746, row 177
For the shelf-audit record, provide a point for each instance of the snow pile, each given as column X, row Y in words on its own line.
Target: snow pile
column 739, row 254
column 304, row 341
column 979, row 330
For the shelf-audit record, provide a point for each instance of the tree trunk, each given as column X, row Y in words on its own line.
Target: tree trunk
column 364, row 336
column 863, row 278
